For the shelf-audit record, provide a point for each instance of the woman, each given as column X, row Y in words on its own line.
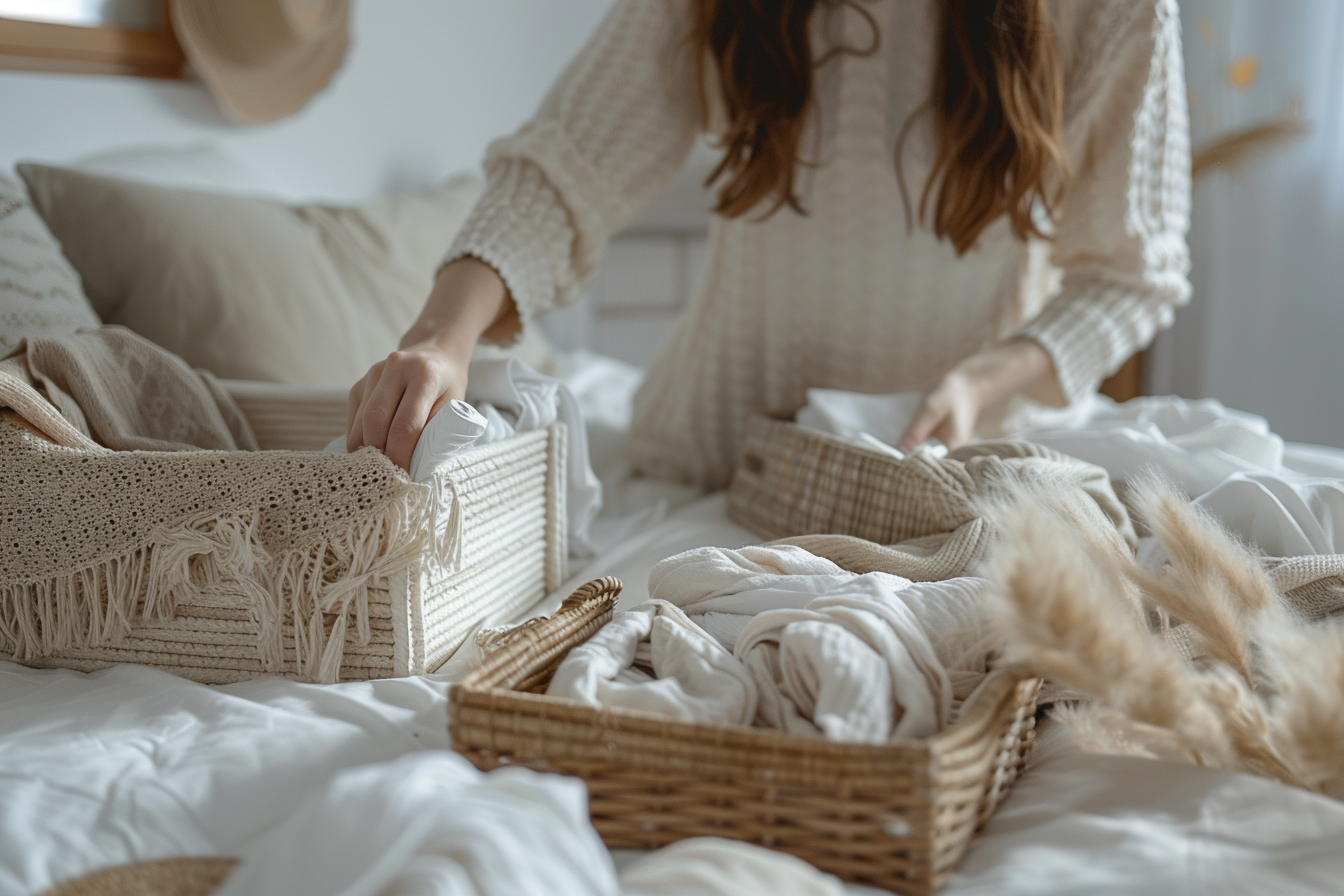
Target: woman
column 969, row 198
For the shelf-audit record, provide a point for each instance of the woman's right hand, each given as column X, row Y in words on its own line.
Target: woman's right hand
column 389, row 407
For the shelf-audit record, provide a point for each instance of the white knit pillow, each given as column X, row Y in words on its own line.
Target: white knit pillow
column 40, row 293
column 252, row 288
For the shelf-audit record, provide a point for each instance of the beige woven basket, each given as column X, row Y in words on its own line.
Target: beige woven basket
column 796, row 481
column 513, row 548
column 897, row 816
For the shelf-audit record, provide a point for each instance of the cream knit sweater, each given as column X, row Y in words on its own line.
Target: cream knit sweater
column 847, row 296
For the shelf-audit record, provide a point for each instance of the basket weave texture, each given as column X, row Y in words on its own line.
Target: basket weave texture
column 797, row 481
column 896, row 816
column 502, row 511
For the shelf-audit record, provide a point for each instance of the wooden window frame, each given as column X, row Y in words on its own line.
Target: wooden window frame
column 97, row 50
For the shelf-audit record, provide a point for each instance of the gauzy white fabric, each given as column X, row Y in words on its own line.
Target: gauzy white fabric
column 826, row 652
column 430, row 823
column 1229, row 462
column 693, row 680
column 880, row 419
column 874, row 421
column 515, row 398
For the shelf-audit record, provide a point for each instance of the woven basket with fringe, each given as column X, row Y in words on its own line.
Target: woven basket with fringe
column 505, row 502
column 896, row 816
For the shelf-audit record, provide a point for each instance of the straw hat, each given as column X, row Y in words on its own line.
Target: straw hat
column 263, row 59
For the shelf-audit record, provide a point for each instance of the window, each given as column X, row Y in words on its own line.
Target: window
column 118, row 37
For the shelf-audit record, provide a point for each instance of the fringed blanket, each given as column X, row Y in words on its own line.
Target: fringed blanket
column 125, row 491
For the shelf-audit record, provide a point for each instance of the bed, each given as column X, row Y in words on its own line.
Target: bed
column 131, row 764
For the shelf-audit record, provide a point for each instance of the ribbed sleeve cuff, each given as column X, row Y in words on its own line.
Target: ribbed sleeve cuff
column 1092, row 332
column 520, row 229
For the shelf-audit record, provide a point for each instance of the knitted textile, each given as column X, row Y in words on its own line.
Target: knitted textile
column 95, row 539
column 849, row 296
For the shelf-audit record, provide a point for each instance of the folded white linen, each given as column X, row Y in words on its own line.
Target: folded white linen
column 430, row 823
column 512, row 398
column 694, row 679
column 1285, row 515
column 816, row 650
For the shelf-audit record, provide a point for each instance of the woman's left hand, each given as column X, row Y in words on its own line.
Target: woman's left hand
column 951, row 409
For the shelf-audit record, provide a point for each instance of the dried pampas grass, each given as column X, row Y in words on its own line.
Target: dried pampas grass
column 1268, row 695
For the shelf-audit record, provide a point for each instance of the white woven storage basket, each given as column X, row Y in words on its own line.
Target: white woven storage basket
column 500, row 511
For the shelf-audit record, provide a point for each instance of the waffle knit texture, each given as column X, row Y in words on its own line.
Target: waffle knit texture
column 848, row 296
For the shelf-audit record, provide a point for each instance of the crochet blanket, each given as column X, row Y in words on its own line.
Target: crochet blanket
column 126, row 492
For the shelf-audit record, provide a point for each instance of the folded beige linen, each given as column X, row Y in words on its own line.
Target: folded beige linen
column 126, row 393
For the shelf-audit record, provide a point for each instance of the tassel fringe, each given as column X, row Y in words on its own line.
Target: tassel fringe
column 320, row 586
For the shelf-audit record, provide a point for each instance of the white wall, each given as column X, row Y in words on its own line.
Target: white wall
column 1265, row 329
column 427, row 84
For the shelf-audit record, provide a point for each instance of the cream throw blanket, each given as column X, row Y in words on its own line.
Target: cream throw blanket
column 94, row 538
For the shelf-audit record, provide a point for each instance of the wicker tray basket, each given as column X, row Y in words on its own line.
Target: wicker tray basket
column 513, row 546
column 897, row 816
column 797, row 481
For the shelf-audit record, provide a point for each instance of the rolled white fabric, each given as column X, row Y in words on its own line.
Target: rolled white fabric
column 457, row 425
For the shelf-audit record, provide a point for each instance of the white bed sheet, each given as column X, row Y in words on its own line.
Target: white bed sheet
column 132, row 764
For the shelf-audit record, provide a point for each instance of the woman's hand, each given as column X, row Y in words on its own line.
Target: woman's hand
column 389, row 407
column 950, row 411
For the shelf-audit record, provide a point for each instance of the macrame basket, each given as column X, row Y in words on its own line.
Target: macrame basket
column 896, row 816
column 496, row 543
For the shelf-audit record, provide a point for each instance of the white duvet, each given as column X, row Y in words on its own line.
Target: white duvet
column 131, row 764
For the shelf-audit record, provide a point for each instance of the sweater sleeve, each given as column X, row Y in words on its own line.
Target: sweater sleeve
column 1120, row 239
column 613, row 130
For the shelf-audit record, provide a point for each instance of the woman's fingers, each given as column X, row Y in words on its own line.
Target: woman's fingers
column 927, row 419
column 421, row 394
column 390, row 406
column 380, row 406
column 354, row 430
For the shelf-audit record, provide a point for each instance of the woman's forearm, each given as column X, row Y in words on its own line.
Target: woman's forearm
column 469, row 297
column 1018, row 365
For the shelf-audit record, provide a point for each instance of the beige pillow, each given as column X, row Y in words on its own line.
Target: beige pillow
column 252, row 288
column 40, row 293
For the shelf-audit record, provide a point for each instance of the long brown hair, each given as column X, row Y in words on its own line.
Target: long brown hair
column 997, row 104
